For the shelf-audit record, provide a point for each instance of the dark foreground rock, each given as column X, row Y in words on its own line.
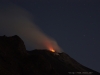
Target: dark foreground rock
column 15, row 60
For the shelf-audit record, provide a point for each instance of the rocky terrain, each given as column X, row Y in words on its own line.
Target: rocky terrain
column 16, row 60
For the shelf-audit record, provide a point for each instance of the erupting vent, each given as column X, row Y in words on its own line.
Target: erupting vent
column 52, row 50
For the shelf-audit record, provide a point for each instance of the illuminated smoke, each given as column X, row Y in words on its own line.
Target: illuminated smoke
column 15, row 20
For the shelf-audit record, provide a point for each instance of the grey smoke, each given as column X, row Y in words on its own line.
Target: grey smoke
column 15, row 20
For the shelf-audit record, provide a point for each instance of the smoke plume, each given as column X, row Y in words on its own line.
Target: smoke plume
column 15, row 20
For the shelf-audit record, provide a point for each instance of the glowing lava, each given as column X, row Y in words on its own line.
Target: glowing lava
column 50, row 45
column 52, row 50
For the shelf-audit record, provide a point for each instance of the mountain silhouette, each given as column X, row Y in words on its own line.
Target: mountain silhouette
column 16, row 60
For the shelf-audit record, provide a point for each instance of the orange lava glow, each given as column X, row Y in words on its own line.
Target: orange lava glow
column 52, row 50
column 49, row 46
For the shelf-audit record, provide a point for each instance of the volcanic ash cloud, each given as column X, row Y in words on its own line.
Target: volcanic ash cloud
column 15, row 20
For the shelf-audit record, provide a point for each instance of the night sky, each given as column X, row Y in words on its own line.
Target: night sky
column 74, row 24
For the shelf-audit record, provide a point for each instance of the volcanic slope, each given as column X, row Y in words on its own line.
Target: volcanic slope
column 16, row 60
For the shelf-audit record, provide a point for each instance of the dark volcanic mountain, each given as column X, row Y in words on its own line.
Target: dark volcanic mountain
column 15, row 60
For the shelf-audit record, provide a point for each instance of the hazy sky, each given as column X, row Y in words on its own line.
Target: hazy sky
column 74, row 24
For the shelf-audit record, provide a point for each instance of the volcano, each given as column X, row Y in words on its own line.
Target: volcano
column 16, row 60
